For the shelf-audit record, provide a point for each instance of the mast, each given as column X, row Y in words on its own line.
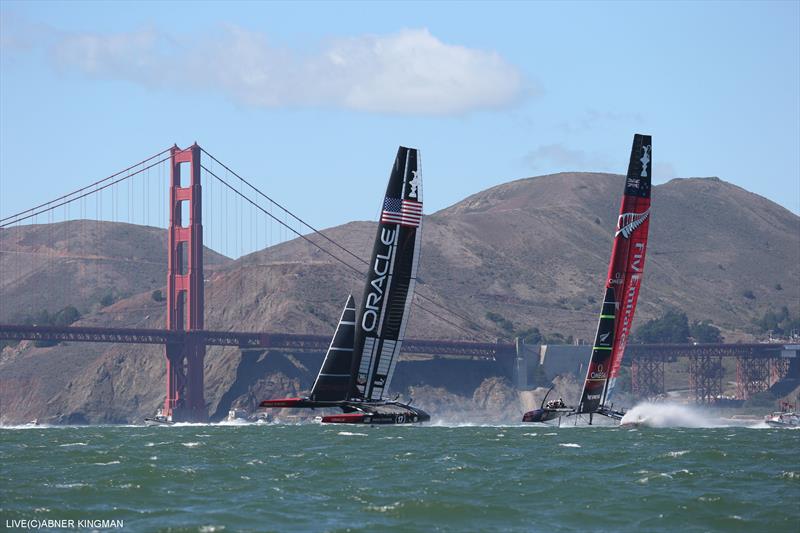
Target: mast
column 625, row 272
column 383, row 315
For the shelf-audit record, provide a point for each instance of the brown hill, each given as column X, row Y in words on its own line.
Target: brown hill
column 533, row 251
column 80, row 263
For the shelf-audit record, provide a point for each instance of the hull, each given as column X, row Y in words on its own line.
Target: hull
column 158, row 422
column 777, row 424
column 545, row 415
column 380, row 414
column 783, row 420
column 358, row 412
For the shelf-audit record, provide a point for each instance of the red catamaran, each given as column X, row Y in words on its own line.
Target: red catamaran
column 625, row 272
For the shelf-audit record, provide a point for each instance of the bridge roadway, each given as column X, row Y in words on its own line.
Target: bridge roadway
column 319, row 343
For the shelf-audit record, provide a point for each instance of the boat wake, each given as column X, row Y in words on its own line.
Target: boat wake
column 664, row 415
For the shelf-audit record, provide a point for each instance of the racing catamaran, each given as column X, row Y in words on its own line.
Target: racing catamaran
column 625, row 273
column 363, row 353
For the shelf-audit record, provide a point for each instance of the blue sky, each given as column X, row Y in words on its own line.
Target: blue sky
column 311, row 100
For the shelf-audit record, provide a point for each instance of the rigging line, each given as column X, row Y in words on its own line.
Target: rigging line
column 2, row 220
column 309, row 226
column 4, row 224
column 279, row 221
column 321, row 234
column 441, row 306
column 440, row 317
column 340, row 260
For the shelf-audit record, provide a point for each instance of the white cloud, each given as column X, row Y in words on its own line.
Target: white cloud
column 663, row 172
column 566, row 159
column 590, row 119
column 407, row 72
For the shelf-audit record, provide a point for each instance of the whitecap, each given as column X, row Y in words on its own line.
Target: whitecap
column 74, row 444
column 570, row 445
column 677, row 453
column 191, row 444
column 383, row 508
column 70, row 485
column 351, row 434
column 106, row 464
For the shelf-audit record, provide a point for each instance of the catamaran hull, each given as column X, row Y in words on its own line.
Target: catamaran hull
column 545, row 415
column 157, row 422
column 372, row 413
column 415, row 416
column 774, row 424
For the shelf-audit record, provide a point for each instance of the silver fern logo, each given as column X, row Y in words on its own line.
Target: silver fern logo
column 628, row 222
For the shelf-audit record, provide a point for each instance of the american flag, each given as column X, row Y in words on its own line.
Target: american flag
column 403, row 212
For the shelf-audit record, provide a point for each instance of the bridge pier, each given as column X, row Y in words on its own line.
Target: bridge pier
column 705, row 376
column 185, row 400
column 752, row 376
column 647, row 376
column 780, row 368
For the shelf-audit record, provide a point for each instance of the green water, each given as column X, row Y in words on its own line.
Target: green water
column 334, row 478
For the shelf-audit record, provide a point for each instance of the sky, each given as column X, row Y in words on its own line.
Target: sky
column 310, row 100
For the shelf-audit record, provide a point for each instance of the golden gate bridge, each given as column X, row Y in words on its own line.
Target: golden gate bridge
column 185, row 336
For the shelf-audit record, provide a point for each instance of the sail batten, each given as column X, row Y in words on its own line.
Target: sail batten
column 625, row 272
column 333, row 380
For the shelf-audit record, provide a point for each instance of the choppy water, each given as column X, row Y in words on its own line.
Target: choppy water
column 333, row 478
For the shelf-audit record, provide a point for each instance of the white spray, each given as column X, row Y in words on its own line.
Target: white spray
column 668, row 415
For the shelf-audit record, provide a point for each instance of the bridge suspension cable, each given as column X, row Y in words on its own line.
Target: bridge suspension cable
column 285, row 210
column 79, row 194
column 336, row 244
column 351, row 269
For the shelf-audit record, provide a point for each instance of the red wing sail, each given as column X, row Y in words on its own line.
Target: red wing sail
column 625, row 273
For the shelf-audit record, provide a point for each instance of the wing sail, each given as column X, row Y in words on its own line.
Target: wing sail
column 333, row 380
column 625, row 272
column 382, row 319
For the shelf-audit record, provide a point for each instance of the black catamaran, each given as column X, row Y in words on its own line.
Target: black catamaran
column 361, row 359
column 625, row 272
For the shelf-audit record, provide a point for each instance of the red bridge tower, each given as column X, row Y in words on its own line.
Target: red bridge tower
column 185, row 401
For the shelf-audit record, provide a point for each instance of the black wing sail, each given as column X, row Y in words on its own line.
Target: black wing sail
column 333, row 380
column 382, row 318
